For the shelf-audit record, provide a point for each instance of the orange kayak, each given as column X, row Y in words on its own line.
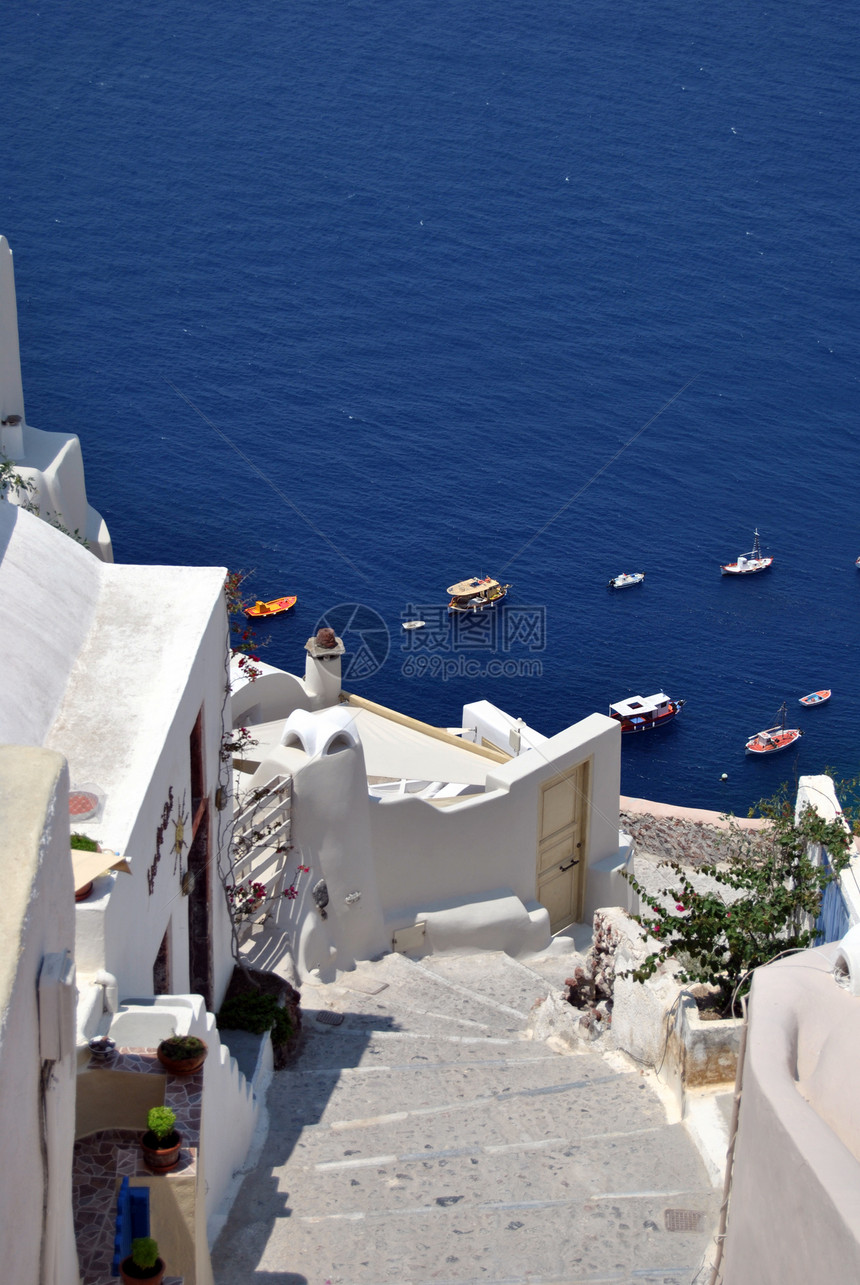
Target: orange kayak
column 274, row 607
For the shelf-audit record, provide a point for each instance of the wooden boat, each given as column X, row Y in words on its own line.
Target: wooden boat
column 274, row 607
column 641, row 713
column 748, row 563
column 776, row 738
column 476, row 594
column 626, row 579
column 816, row 698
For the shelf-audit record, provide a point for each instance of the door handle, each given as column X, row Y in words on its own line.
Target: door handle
column 569, row 865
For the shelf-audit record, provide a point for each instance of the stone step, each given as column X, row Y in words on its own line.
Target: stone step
column 537, row 1088
column 490, row 976
column 608, row 1237
column 362, row 1039
column 481, row 1163
column 407, row 985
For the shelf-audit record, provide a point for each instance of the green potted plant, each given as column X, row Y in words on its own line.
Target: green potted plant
column 162, row 1140
column 83, row 843
column 182, row 1054
column 143, row 1263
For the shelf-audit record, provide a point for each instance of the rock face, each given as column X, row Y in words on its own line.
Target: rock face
column 675, row 839
column 590, row 989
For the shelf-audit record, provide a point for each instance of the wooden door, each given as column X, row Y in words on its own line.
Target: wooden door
column 561, row 854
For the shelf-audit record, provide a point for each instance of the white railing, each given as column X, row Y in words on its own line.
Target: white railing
column 262, row 842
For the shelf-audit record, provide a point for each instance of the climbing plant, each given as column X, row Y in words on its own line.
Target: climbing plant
column 766, row 899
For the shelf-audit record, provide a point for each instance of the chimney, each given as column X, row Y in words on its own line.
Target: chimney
column 322, row 667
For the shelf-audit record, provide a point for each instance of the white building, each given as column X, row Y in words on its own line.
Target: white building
column 424, row 840
column 50, row 462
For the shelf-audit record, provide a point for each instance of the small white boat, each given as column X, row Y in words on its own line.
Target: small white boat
column 640, row 713
column 626, row 579
column 748, row 563
column 774, row 739
column 414, row 624
column 816, row 698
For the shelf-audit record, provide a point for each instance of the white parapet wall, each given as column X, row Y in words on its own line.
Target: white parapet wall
column 51, row 462
column 793, row 1213
column 37, row 1041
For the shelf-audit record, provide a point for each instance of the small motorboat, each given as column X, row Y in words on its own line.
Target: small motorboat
column 414, row 624
column 816, row 698
column 776, row 738
column 640, row 713
column 476, row 594
column 274, row 607
column 748, row 563
column 626, row 579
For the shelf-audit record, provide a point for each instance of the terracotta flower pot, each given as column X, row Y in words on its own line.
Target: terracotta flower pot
column 158, row 1157
column 182, row 1066
column 132, row 1275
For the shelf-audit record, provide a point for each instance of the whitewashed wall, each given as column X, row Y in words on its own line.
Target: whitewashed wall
column 424, row 854
column 51, row 461
column 36, row 919
column 120, row 927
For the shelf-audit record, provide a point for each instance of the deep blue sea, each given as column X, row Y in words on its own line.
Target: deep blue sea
column 368, row 298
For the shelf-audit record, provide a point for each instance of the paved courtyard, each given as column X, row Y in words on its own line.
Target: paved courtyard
column 423, row 1137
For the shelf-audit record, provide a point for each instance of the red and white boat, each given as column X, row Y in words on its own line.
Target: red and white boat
column 640, row 713
column 774, row 739
column 748, row 563
column 816, row 698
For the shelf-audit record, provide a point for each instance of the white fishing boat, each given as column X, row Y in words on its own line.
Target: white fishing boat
column 776, row 738
column 641, row 713
column 748, row 564
column 626, row 580
column 476, row 594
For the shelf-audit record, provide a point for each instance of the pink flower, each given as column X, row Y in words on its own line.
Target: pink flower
column 679, row 907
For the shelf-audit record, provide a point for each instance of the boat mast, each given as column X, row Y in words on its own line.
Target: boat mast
column 756, row 552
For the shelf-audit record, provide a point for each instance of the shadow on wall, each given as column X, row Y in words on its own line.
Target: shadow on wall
column 297, row 1100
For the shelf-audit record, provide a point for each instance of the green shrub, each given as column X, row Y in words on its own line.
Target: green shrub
column 161, row 1121
column 181, row 1047
column 144, row 1251
column 83, row 843
column 256, row 1012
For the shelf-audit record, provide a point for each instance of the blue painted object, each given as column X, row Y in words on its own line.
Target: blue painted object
column 132, row 1221
column 833, row 921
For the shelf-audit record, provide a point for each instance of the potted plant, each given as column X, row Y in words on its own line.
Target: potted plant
column 83, row 843
column 143, row 1263
column 182, row 1054
column 162, row 1141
